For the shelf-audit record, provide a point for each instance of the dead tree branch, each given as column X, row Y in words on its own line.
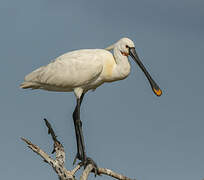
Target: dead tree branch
column 58, row 163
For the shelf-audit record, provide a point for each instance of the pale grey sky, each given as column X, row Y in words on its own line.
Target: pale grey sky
column 126, row 127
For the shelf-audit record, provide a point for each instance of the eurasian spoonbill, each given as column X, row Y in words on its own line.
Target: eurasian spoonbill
column 83, row 70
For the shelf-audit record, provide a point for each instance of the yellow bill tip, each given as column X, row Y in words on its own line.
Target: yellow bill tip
column 158, row 92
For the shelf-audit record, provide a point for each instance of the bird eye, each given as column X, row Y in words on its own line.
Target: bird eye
column 127, row 46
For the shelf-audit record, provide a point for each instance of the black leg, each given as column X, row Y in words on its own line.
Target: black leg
column 78, row 131
column 81, row 154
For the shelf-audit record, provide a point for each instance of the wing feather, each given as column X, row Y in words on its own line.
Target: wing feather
column 70, row 70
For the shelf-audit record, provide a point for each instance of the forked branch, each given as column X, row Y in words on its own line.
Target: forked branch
column 58, row 163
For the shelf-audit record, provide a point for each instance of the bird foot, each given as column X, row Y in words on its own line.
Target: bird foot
column 86, row 162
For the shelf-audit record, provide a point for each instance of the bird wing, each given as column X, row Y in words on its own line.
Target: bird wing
column 70, row 70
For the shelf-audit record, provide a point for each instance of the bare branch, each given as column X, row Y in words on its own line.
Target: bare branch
column 52, row 133
column 101, row 171
column 40, row 152
column 58, row 163
column 50, row 130
column 59, row 168
column 112, row 174
column 75, row 169
column 86, row 172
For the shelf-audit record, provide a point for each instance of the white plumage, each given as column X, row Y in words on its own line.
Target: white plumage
column 81, row 70
column 86, row 69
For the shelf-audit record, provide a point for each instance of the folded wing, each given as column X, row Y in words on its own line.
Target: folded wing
column 68, row 71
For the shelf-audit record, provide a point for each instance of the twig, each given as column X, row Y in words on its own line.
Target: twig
column 39, row 151
column 52, row 133
column 112, row 174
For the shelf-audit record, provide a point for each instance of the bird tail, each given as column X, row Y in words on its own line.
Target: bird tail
column 27, row 85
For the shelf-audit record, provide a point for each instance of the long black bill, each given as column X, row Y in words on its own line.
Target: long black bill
column 153, row 84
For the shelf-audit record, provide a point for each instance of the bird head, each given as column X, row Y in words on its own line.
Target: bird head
column 127, row 48
column 123, row 45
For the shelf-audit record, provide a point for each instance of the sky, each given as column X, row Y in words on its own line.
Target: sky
column 126, row 127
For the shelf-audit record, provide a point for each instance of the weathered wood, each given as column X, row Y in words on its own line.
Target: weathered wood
column 58, row 163
column 112, row 174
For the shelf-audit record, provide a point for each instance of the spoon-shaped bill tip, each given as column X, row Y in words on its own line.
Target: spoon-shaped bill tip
column 158, row 92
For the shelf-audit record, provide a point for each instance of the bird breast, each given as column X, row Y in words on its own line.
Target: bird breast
column 115, row 71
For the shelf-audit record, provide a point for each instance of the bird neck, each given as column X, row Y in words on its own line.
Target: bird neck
column 122, row 64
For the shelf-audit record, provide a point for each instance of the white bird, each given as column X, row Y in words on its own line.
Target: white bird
column 83, row 70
